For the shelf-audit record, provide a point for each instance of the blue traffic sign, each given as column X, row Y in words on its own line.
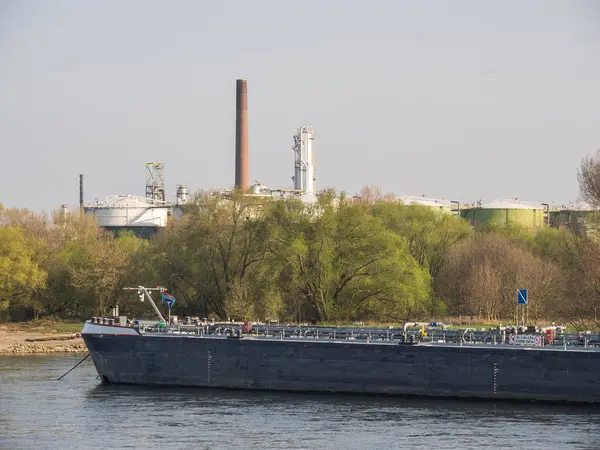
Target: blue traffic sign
column 521, row 296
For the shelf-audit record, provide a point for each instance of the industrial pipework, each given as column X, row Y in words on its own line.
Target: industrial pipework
column 304, row 161
column 241, row 136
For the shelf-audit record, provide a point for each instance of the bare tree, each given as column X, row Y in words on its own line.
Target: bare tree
column 482, row 274
column 370, row 194
column 588, row 177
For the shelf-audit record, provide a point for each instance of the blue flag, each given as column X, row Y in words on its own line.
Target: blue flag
column 168, row 299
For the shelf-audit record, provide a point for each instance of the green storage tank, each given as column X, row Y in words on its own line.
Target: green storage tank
column 575, row 219
column 505, row 214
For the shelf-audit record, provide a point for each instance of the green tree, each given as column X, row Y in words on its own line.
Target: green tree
column 86, row 267
column 430, row 232
column 20, row 276
column 338, row 263
column 212, row 256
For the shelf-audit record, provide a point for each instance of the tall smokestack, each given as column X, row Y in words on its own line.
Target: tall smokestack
column 81, row 192
column 241, row 136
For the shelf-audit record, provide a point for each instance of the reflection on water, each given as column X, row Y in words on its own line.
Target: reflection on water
column 78, row 412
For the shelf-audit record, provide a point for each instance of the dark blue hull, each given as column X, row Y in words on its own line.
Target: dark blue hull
column 477, row 371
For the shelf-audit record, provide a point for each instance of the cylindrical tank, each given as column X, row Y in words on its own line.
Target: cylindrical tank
column 506, row 214
column 128, row 211
column 436, row 203
column 576, row 220
column 182, row 193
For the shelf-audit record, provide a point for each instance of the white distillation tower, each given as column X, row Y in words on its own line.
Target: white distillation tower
column 304, row 165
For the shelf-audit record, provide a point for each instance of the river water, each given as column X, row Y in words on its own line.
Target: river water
column 36, row 411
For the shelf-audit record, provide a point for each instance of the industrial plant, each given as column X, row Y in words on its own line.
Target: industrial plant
column 142, row 215
column 146, row 215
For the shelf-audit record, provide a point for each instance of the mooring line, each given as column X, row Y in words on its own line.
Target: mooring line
column 69, row 371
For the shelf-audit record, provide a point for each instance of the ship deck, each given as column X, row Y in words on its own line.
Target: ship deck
column 455, row 338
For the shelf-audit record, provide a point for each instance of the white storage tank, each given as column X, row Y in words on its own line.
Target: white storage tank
column 441, row 204
column 129, row 211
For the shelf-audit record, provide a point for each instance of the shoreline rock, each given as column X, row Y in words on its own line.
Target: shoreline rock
column 29, row 349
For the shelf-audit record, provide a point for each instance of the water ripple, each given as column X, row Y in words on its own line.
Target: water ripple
column 36, row 411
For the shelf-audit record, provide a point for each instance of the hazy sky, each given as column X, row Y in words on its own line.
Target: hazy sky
column 463, row 100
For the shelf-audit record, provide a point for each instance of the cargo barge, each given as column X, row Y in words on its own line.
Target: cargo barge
column 392, row 361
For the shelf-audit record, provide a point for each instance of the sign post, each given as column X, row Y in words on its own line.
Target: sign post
column 521, row 300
